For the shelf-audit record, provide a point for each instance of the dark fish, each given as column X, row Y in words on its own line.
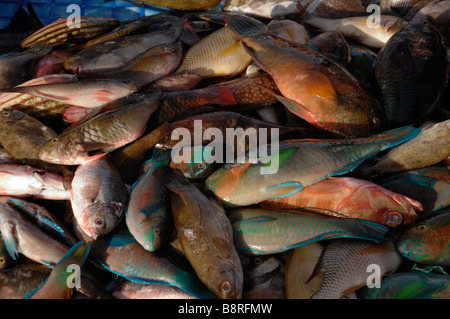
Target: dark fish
column 333, row 45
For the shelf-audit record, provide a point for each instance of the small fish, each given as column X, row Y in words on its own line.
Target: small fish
column 428, row 241
column 415, row 153
column 18, row 67
column 410, row 285
column 146, row 215
column 344, row 263
column 136, row 290
column 218, row 54
column 402, row 70
column 90, row 93
column 206, row 235
column 297, row 164
column 349, row 197
column 63, row 31
column 56, row 285
column 103, row 133
column 260, row 231
column 98, row 197
column 17, row 282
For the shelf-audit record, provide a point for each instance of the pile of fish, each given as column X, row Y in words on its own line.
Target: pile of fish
column 107, row 190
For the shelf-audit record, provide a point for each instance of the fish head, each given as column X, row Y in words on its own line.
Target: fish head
column 10, row 115
column 65, row 150
column 99, row 219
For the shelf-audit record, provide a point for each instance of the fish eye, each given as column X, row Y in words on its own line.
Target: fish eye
column 54, row 140
column 6, row 113
column 225, row 287
column 99, row 222
column 2, row 260
column 258, row 261
column 422, row 227
column 394, row 218
column 376, row 121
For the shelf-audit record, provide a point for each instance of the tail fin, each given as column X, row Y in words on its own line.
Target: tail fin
column 366, row 229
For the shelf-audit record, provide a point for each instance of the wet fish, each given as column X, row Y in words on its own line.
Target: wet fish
column 18, row 281
column 288, row 30
column 402, row 70
column 405, row 8
column 135, row 290
column 183, row 5
column 438, row 13
column 332, row 45
column 296, row 165
column 64, row 30
column 146, row 215
column 218, row 54
column 98, row 197
column 349, row 197
column 344, row 263
column 18, row 67
column 206, row 235
column 321, row 92
column 427, row 242
column 104, row 133
column 56, row 285
column 429, row 186
column 410, row 285
column 260, row 231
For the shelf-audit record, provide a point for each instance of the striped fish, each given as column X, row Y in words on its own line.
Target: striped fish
column 64, row 31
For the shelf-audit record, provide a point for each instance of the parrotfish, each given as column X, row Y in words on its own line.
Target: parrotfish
column 146, row 215
column 427, row 242
column 98, row 197
column 410, row 285
column 298, row 164
column 205, row 234
column 438, row 14
column 349, row 197
column 56, row 286
column 345, row 263
column 136, row 290
column 18, row 281
column 260, row 231
column 103, row 133
column 320, row 91
column 411, row 72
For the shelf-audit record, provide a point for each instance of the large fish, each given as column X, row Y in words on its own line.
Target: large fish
column 103, row 133
column 206, row 235
column 427, row 242
column 260, row 231
column 320, row 91
column 146, row 215
column 349, row 197
column 56, row 286
column 98, row 197
column 345, row 264
column 411, row 72
column 298, row 164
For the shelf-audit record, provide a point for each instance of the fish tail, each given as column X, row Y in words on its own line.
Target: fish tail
column 368, row 230
column 398, row 136
column 244, row 26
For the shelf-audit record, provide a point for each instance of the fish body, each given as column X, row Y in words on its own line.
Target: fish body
column 260, row 231
column 56, row 285
column 289, row 30
column 206, row 235
column 349, row 197
column 146, row 214
column 135, row 290
column 297, row 164
column 19, row 281
column 438, row 13
column 402, row 70
column 345, row 262
column 98, row 197
column 103, row 133
column 320, row 91
column 333, row 45
column 427, row 242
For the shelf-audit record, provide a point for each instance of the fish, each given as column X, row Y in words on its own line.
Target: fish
column 404, row 8
column 438, row 13
column 289, row 30
column 296, row 165
column 415, row 153
column 183, row 5
column 56, row 285
column 103, row 133
column 409, row 90
column 216, row 55
column 358, row 28
column 90, row 93
column 19, row 281
column 332, row 45
column 301, row 283
column 5, row 258
column 64, row 30
column 344, row 263
column 410, row 285
column 427, row 242
column 22, row 236
column 53, row 63
column 18, row 67
column 6, row 158
column 135, row 290
column 319, row 92
column 98, row 197
column 121, row 254
column 361, row 64
column 193, row 169
column 205, row 234
column 146, row 214
column 259, row 231
column 427, row 185
column 349, row 197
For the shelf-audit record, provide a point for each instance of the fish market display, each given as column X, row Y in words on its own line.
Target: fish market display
column 235, row 149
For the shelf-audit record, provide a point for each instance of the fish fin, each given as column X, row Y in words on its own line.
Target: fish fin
column 244, row 26
column 93, row 158
column 397, row 136
column 352, row 165
column 172, row 179
column 8, row 238
column 321, row 86
column 219, row 94
column 301, row 12
column 317, row 268
column 94, row 146
column 298, row 187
